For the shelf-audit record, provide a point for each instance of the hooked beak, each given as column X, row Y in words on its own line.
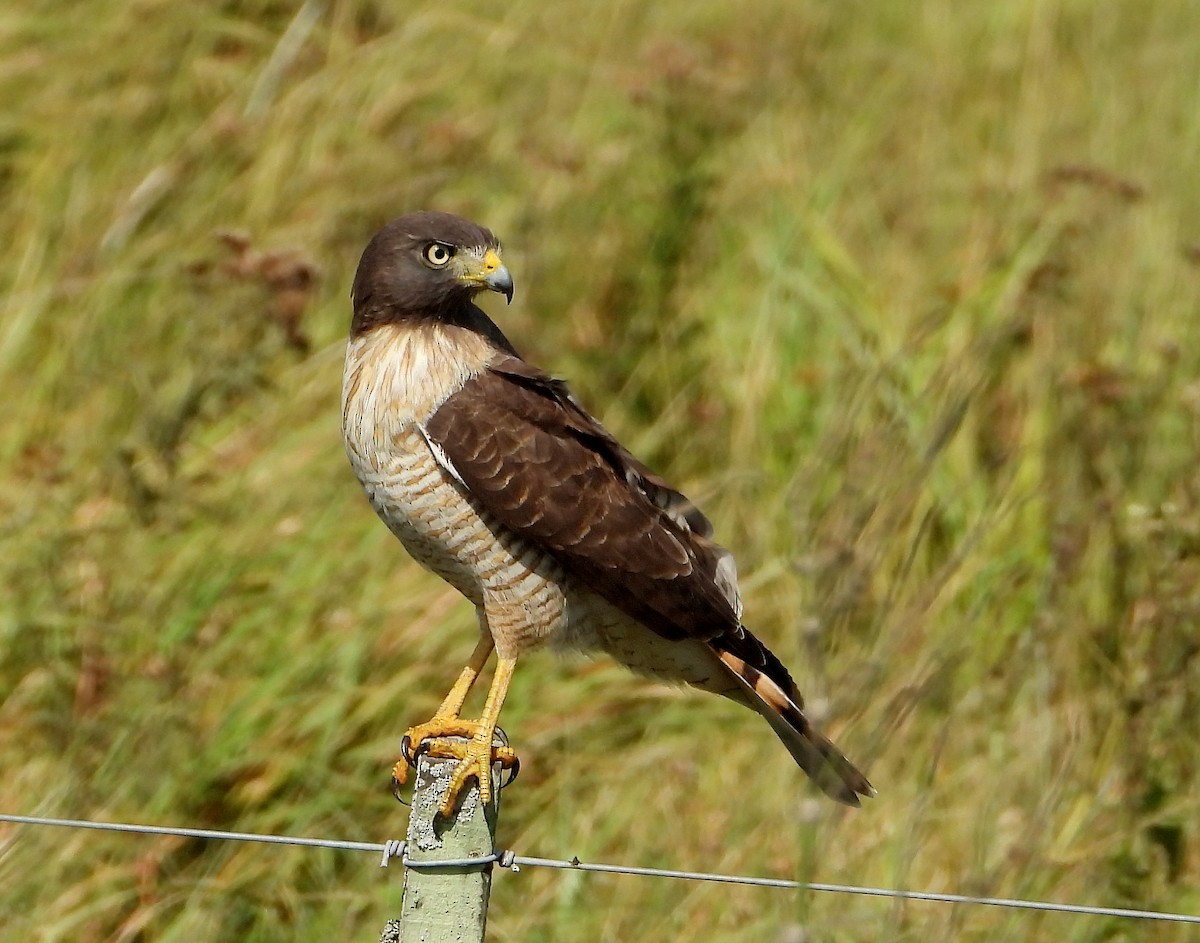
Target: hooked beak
column 491, row 274
column 499, row 280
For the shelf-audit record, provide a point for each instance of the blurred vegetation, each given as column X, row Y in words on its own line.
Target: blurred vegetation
column 906, row 295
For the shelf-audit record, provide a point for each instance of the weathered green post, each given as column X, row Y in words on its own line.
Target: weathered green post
column 446, row 903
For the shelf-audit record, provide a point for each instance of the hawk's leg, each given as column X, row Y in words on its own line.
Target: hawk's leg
column 475, row 758
column 446, row 722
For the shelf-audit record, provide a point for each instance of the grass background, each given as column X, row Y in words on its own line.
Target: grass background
column 904, row 294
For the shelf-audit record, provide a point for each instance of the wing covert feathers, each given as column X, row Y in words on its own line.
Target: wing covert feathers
column 777, row 699
column 545, row 469
column 548, row 471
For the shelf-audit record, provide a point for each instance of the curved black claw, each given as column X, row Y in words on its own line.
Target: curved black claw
column 396, row 787
column 408, row 752
column 512, row 771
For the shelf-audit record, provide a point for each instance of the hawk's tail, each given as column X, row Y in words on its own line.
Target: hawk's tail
column 778, row 700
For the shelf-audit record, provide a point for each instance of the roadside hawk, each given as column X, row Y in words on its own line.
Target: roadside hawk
column 494, row 477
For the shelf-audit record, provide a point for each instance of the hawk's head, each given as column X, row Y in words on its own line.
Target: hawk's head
column 426, row 265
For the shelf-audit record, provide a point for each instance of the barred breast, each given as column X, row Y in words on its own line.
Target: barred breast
column 394, row 379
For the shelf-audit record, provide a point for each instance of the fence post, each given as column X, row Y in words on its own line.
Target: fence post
column 446, row 904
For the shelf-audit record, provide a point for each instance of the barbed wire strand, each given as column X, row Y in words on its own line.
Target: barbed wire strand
column 507, row 859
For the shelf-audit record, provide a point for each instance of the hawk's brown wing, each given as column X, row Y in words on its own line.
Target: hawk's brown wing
column 548, row 471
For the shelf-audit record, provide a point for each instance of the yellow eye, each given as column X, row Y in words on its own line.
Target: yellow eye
column 438, row 254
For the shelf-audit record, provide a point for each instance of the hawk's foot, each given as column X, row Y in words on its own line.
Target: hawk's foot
column 417, row 739
column 475, row 761
column 476, row 757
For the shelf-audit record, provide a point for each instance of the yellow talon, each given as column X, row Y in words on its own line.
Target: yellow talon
column 416, row 738
column 475, row 758
column 479, row 753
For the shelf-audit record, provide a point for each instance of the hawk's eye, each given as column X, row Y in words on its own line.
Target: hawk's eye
column 438, row 253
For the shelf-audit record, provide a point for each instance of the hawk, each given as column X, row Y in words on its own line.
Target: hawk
column 494, row 477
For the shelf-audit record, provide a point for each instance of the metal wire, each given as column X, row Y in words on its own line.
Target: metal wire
column 395, row 850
